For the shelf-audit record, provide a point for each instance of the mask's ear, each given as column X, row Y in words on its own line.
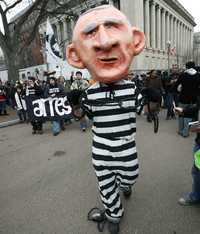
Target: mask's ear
column 72, row 57
column 138, row 40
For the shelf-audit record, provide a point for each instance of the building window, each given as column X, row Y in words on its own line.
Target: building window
column 116, row 3
column 69, row 29
column 61, row 32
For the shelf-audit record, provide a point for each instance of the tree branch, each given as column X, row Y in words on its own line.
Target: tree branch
column 4, row 20
column 34, row 29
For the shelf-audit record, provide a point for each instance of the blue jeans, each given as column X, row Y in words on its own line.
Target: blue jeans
column 183, row 124
column 169, row 104
column 2, row 107
column 195, row 194
column 56, row 127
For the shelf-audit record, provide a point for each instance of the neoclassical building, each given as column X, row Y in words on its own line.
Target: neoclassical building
column 167, row 25
column 196, row 48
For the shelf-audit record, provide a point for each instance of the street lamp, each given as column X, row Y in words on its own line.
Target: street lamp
column 168, row 53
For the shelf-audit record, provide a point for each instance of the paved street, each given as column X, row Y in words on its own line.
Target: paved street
column 47, row 183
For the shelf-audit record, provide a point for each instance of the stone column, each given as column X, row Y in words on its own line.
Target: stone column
column 171, row 30
column 158, row 19
column 181, row 39
column 175, row 24
column 69, row 29
column 153, row 17
column 184, row 40
column 191, row 42
column 167, row 27
column 129, row 7
column 61, row 31
column 163, row 29
column 175, row 32
column 147, row 21
column 65, row 29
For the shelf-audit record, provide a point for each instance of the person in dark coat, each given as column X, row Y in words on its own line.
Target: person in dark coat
column 188, row 83
column 193, row 198
column 34, row 89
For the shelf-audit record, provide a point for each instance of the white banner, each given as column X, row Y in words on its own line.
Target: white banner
column 52, row 47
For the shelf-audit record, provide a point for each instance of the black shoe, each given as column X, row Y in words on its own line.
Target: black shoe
column 63, row 128
column 127, row 191
column 96, row 215
column 56, row 133
column 149, row 119
column 113, row 228
column 34, row 132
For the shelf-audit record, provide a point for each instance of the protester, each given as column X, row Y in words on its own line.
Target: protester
column 80, row 84
column 105, row 43
column 189, row 81
column 52, row 90
column 193, row 197
column 34, row 89
column 3, row 110
column 20, row 104
column 154, row 82
column 65, row 86
column 168, row 84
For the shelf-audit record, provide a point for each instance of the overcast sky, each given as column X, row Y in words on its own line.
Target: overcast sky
column 193, row 7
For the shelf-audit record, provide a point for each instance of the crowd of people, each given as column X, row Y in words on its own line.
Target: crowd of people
column 13, row 95
column 173, row 87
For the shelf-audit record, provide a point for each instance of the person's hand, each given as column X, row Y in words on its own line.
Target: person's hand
column 195, row 127
column 178, row 110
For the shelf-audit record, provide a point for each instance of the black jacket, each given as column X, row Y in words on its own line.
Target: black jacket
column 190, row 83
column 192, row 112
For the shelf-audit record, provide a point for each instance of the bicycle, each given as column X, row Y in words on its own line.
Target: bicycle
column 152, row 99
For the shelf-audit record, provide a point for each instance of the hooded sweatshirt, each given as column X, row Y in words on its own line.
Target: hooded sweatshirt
column 190, row 83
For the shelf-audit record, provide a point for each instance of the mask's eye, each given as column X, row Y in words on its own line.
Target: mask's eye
column 110, row 25
column 91, row 32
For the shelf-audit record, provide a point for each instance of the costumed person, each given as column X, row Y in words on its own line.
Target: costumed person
column 105, row 43
column 34, row 89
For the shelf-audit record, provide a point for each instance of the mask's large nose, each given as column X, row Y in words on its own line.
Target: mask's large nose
column 104, row 41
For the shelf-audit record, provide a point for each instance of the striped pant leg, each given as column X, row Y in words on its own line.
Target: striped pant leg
column 116, row 165
column 127, row 174
column 107, row 181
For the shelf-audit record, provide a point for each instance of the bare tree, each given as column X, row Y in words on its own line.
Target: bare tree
column 11, row 41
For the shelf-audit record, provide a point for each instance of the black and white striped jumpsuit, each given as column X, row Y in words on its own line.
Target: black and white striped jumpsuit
column 114, row 154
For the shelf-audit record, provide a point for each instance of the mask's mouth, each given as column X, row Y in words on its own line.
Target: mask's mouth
column 108, row 60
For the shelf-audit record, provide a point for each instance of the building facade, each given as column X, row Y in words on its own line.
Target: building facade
column 196, row 48
column 167, row 25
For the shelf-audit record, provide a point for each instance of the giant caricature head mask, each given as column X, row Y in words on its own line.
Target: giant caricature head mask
column 105, row 43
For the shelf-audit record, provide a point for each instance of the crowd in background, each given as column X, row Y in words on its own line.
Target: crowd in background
column 167, row 83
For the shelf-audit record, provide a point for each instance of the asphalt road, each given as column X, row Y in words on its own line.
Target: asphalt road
column 47, row 183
